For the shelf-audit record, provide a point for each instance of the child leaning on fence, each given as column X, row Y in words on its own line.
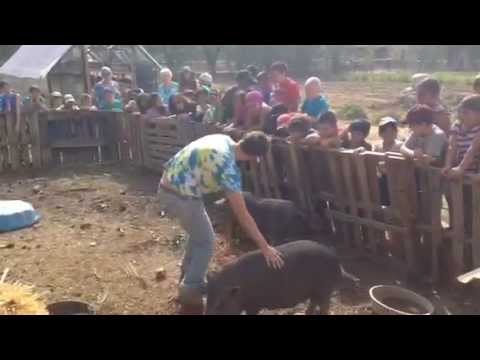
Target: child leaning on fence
column 427, row 142
column 476, row 85
column 428, row 93
column 354, row 138
column 463, row 155
column 300, row 128
column 326, row 135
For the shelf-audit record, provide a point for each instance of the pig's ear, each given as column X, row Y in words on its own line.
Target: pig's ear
column 234, row 291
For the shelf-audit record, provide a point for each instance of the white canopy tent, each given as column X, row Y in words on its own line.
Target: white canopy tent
column 31, row 64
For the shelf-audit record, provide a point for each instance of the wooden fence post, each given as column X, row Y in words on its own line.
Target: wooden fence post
column 476, row 224
column 33, row 123
column 458, row 239
column 273, row 173
column 361, row 167
column 346, row 165
column 435, row 184
column 13, row 137
column 403, row 188
column 342, row 229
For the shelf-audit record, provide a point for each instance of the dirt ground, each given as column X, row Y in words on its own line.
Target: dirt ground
column 101, row 241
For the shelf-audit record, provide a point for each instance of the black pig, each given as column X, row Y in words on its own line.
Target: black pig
column 280, row 221
column 311, row 271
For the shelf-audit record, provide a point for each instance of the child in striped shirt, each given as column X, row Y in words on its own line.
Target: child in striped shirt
column 463, row 155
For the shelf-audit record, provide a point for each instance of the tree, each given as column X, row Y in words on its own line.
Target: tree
column 212, row 52
column 174, row 56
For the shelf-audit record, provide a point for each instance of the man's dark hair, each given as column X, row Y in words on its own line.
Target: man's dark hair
column 361, row 125
column 33, row 88
column 299, row 124
column 420, row 114
column 280, row 67
column 254, row 143
column 471, row 102
column 262, row 75
column 328, row 118
column 253, row 70
column 430, row 86
column 244, row 75
column 476, row 83
column 3, row 83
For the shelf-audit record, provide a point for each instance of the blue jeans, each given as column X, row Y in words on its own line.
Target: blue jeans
column 199, row 245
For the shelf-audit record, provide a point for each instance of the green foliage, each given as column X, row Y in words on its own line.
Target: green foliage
column 380, row 76
column 402, row 76
column 352, row 112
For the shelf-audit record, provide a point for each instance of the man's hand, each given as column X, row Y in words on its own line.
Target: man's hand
column 246, row 221
column 456, row 173
column 273, row 257
column 359, row 150
column 446, row 171
column 418, row 153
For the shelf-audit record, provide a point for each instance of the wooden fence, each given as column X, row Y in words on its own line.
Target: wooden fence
column 408, row 228
column 163, row 137
column 412, row 227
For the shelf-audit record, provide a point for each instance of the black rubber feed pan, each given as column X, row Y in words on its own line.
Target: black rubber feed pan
column 70, row 308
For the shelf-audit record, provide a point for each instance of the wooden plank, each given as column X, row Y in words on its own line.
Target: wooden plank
column 265, row 179
column 401, row 180
column 161, row 158
column 32, row 120
column 161, row 140
column 458, row 227
column 345, row 159
column 361, row 221
column 160, row 155
column 333, row 166
column 171, row 134
column 306, row 178
column 273, row 173
column 425, row 213
column 372, row 235
column 255, row 180
column 165, row 147
column 476, row 225
column 46, row 151
column 435, row 184
column 12, row 134
column 296, row 175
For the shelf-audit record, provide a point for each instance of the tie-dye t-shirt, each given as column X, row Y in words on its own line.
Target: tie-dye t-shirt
column 205, row 166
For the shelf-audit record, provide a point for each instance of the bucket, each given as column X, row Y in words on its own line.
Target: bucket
column 70, row 308
column 394, row 300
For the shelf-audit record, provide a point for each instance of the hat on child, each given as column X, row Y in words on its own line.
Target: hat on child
column 68, row 98
column 471, row 102
column 56, row 94
column 106, row 70
column 206, row 78
column 387, row 120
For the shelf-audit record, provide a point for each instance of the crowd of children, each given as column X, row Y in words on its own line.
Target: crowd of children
column 270, row 101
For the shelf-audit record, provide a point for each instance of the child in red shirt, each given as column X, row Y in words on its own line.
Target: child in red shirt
column 285, row 90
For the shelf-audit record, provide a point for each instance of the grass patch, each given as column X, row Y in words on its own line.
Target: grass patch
column 352, row 112
column 403, row 76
